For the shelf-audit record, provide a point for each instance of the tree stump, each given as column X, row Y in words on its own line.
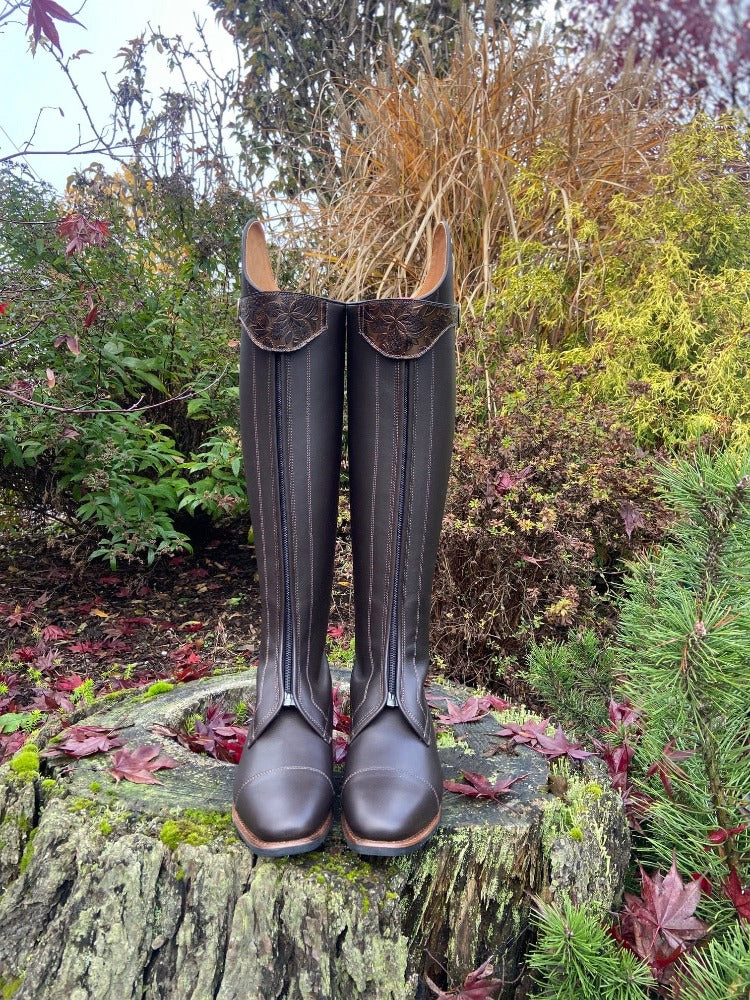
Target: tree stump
column 129, row 891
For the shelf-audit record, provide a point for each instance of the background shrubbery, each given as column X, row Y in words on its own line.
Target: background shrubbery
column 120, row 375
column 595, row 546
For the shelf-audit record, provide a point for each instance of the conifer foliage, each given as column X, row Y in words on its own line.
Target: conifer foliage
column 682, row 648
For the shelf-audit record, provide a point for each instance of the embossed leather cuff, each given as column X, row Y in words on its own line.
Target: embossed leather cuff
column 283, row 320
column 404, row 328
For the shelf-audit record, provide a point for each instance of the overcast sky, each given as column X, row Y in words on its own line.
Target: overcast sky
column 30, row 85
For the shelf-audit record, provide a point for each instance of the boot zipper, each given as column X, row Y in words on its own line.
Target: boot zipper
column 286, row 641
column 392, row 700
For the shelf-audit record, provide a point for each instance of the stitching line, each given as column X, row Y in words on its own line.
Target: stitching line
column 392, row 770
column 424, row 529
column 275, row 770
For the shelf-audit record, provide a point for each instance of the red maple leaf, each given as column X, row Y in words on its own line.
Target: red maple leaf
column 478, row 985
column 505, row 481
column 722, row 835
column 667, row 767
column 192, row 672
column 3, row 308
column 737, row 895
column 27, row 654
column 477, row 786
column 218, row 735
column 342, row 720
column 492, row 701
column 51, row 701
column 83, row 741
column 560, row 746
column 138, row 765
column 469, row 711
column 41, row 14
column 69, row 683
column 661, row 926
column 52, row 632
column 527, row 732
column 11, row 743
column 79, row 233
column 623, row 713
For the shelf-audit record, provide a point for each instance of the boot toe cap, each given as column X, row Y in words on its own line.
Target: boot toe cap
column 383, row 805
column 284, row 805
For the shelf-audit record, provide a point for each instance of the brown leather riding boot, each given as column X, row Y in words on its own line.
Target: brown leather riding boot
column 401, row 412
column 291, row 401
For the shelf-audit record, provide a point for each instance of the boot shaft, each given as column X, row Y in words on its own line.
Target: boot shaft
column 401, row 412
column 291, row 401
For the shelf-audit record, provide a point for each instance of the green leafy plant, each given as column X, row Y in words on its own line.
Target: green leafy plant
column 118, row 342
column 649, row 292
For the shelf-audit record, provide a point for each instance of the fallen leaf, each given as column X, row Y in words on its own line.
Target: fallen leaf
column 478, row 985
column 83, row 741
column 477, row 786
column 723, row 834
column 527, row 732
column 740, row 897
column 560, row 746
column 138, row 765
column 660, row 926
column 469, row 711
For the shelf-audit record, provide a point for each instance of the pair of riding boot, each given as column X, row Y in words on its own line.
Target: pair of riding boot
column 399, row 355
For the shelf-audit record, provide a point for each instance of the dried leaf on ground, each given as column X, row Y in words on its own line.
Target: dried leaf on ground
column 477, row 786
column 138, row 765
column 478, row 985
column 83, row 741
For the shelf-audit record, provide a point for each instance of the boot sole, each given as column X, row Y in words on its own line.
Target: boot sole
column 281, row 848
column 389, row 848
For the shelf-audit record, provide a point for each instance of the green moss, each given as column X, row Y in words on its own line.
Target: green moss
column 160, row 687
column 194, row 827
column 95, row 786
column 28, row 852
column 179, row 874
column 9, row 987
column 570, row 815
column 518, row 714
column 25, row 762
column 105, row 827
column 48, row 784
column 81, row 805
column 446, row 740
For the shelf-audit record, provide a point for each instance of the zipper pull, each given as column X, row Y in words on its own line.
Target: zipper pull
column 288, row 700
column 391, row 701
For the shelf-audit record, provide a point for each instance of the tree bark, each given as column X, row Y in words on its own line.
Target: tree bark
column 129, row 891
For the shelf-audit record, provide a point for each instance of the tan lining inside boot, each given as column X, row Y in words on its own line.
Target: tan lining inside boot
column 257, row 263
column 437, row 265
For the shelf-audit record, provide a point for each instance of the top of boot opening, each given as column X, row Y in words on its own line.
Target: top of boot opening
column 259, row 273
column 255, row 259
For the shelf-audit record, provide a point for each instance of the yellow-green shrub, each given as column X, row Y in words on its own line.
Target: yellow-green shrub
column 653, row 296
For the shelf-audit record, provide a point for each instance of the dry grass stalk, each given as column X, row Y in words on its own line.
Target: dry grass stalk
column 424, row 148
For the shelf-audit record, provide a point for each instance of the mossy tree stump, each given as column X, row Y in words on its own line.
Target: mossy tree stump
column 128, row 891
